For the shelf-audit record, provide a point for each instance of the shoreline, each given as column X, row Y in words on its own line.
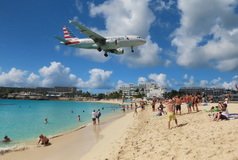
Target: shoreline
column 89, row 135
column 30, row 143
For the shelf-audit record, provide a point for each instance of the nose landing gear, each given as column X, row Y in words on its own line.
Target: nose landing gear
column 132, row 50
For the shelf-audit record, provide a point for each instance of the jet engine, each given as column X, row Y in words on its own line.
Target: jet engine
column 111, row 43
column 119, row 51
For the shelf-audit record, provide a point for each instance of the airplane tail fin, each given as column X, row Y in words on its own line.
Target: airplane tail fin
column 62, row 40
column 67, row 34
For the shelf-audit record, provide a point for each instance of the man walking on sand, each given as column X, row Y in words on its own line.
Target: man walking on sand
column 171, row 112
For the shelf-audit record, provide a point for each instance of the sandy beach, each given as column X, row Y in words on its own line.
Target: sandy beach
column 145, row 136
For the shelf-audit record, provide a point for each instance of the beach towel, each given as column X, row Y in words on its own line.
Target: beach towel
column 233, row 116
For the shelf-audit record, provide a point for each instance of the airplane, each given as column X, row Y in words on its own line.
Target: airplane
column 96, row 41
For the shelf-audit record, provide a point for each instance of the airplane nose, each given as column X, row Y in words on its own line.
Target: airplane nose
column 143, row 41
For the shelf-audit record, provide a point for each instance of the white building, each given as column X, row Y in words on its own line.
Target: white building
column 148, row 89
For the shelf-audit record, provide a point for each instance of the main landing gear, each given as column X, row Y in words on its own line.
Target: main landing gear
column 99, row 49
column 105, row 54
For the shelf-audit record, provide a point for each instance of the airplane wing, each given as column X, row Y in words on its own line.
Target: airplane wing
column 98, row 39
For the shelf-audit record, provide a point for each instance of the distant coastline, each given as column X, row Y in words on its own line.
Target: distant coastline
column 83, row 99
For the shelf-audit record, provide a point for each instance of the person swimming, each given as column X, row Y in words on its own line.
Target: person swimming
column 78, row 117
column 46, row 121
column 6, row 139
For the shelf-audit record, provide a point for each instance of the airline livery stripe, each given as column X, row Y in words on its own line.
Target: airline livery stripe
column 75, row 42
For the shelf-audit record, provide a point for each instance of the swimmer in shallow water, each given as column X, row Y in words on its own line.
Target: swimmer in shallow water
column 6, row 139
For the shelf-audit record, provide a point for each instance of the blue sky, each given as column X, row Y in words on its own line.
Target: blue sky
column 189, row 43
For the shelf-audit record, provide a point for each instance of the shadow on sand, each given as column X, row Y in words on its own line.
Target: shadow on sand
column 183, row 124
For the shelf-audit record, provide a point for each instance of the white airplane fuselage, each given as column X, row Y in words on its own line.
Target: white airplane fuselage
column 111, row 42
column 96, row 41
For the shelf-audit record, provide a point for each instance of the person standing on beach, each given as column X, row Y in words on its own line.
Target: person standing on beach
column 171, row 112
column 98, row 116
column 188, row 100
column 178, row 102
column 78, row 117
column 153, row 104
column 195, row 102
column 94, row 117
column 135, row 109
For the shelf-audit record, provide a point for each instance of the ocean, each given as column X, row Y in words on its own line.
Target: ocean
column 23, row 120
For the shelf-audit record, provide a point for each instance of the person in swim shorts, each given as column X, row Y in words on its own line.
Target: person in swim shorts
column 178, row 102
column 171, row 112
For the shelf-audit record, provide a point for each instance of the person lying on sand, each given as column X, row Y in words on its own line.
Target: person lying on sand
column 43, row 140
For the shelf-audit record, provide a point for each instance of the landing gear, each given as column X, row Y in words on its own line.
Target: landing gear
column 99, row 49
column 105, row 54
column 132, row 50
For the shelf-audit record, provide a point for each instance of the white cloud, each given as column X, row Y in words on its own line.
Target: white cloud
column 57, row 47
column 91, row 54
column 203, row 83
column 79, row 5
column 190, row 81
column 160, row 79
column 56, row 74
column 121, row 83
column 98, row 79
column 207, row 37
column 185, row 76
column 146, row 55
column 217, row 82
column 142, row 80
column 233, row 84
column 33, row 80
column 15, row 78
column 161, row 5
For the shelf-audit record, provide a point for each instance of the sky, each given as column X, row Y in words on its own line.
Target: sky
column 189, row 43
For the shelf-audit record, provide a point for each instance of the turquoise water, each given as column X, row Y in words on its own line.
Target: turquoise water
column 23, row 120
